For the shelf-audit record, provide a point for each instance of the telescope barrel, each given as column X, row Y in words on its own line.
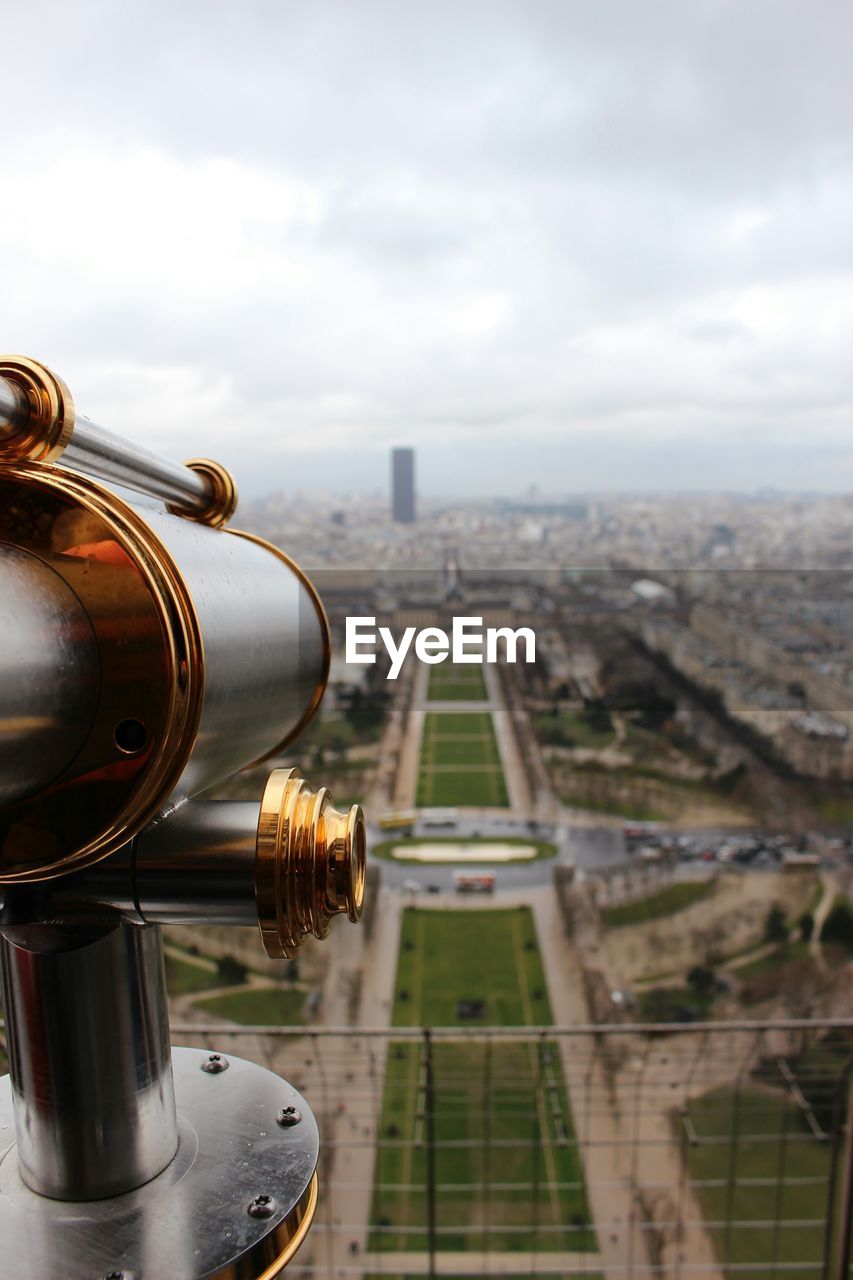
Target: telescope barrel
column 49, row 674
column 211, row 653
column 38, row 423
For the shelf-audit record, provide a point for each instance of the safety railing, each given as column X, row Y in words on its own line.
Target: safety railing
column 693, row 1150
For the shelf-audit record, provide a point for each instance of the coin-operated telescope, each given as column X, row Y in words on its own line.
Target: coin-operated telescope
column 147, row 652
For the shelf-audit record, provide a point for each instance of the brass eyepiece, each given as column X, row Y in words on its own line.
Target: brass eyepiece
column 309, row 864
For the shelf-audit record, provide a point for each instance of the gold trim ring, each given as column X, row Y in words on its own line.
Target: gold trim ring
column 298, row 1222
column 287, row 1238
column 223, row 494
column 48, row 426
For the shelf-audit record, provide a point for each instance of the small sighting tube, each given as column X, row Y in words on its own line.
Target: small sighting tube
column 38, row 423
column 14, row 409
column 88, row 1038
column 97, row 452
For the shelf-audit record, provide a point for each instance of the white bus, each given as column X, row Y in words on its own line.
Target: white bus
column 439, row 817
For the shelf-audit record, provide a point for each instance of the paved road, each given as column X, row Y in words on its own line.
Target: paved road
column 520, row 799
column 355, row 1161
column 586, row 847
column 614, row 1135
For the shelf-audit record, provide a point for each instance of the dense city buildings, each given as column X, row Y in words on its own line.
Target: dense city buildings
column 649, row 826
column 748, row 599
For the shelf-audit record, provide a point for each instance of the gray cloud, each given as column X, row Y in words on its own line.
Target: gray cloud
column 578, row 238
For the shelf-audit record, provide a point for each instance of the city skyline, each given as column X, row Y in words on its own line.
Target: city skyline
column 455, row 472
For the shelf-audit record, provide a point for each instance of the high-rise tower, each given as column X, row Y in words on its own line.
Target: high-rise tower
column 403, row 485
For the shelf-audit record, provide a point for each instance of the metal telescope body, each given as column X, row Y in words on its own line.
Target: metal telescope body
column 148, row 652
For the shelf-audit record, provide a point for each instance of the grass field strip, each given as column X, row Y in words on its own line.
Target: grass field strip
column 511, row 1118
column 466, row 768
column 536, row 1066
column 460, row 761
column 448, row 683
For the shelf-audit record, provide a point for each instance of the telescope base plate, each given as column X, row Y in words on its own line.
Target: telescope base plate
column 235, row 1202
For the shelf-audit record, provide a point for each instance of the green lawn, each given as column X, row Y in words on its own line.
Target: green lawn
column 448, row 683
column 183, row 977
column 484, row 955
column 819, row 1069
column 597, row 793
column 544, row 848
column 571, row 729
column 773, row 961
column 641, row 792
column 501, row 1113
column 675, row 1004
column 270, row 1006
column 460, row 763
column 837, row 811
column 666, row 902
column 774, row 1143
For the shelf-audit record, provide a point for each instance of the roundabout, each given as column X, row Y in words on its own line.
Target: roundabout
column 459, row 851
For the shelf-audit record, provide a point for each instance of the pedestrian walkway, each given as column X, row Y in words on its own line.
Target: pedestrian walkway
column 355, row 1161
column 611, row 1165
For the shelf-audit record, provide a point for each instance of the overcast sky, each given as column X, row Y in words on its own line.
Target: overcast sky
column 581, row 245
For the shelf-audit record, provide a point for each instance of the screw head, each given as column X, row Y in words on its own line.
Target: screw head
column 263, row 1206
column 288, row 1117
column 214, row 1064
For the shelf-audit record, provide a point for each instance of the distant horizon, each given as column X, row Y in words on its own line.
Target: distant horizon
column 545, row 473
column 549, row 498
column 478, row 471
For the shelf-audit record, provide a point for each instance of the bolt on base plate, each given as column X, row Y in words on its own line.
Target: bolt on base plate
column 197, row 1220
